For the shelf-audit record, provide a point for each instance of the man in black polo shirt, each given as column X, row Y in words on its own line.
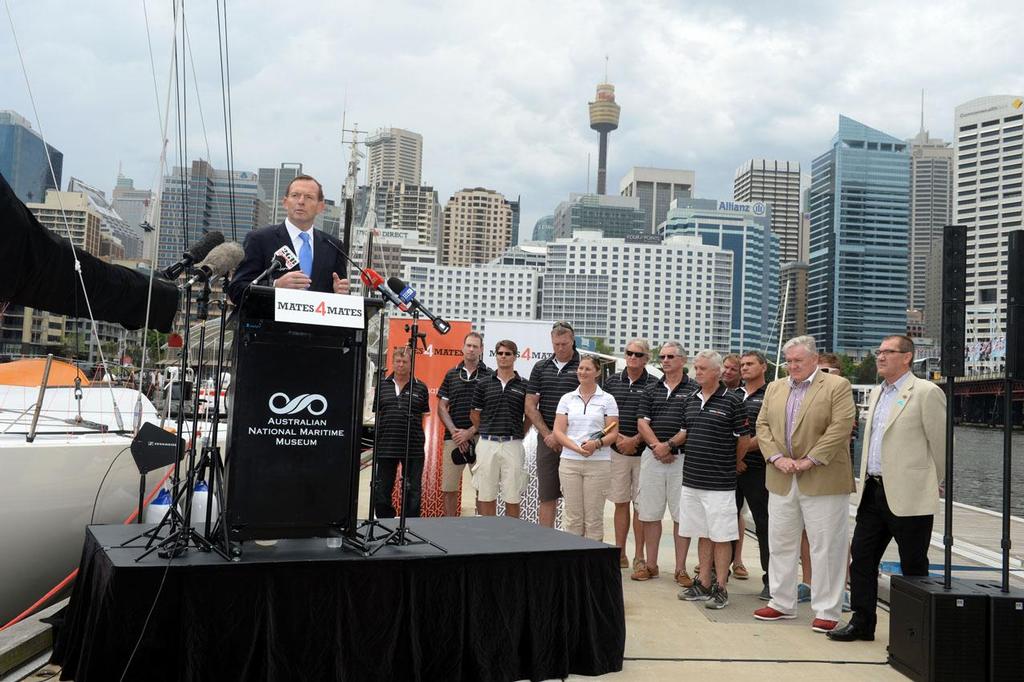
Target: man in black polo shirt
column 455, row 401
column 499, row 415
column 392, row 423
column 549, row 381
column 714, row 437
column 628, row 388
column 660, row 423
column 751, row 468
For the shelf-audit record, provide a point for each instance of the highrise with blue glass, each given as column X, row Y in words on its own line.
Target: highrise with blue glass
column 23, row 159
column 744, row 228
column 859, row 241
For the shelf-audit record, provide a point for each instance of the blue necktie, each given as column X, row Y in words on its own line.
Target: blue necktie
column 306, row 255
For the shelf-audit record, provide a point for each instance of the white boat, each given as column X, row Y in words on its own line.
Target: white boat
column 77, row 470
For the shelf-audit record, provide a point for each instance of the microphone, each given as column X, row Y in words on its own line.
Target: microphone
column 196, row 252
column 408, row 296
column 222, row 260
column 284, row 259
column 372, row 280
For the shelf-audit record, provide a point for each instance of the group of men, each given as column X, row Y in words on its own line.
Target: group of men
column 698, row 448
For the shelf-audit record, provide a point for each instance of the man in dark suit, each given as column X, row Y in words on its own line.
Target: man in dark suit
column 319, row 261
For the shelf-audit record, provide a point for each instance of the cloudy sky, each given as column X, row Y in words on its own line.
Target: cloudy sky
column 499, row 91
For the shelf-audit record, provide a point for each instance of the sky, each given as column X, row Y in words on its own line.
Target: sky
column 499, row 91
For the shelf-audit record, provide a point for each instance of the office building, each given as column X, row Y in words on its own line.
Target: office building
column 70, row 215
column 605, row 288
column 390, row 252
column 744, row 228
column 530, row 254
column 113, row 227
column 614, row 217
column 135, row 206
column 793, row 299
column 544, row 229
column 988, row 142
column 776, row 183
column 477, row 293
column 201, row 198
column 860, row 224
column 476, row 228
column 394, row 155
column 271, row 184
column 23, row 159
column 656, row 188
column 931, row 208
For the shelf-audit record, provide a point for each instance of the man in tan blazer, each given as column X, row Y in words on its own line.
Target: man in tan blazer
column 901, row 469
column 803, row 431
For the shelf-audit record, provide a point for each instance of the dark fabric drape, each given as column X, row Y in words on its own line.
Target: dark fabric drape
column 39, row 271
column 527, row 603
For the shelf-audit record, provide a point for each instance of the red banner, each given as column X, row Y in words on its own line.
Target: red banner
column 442, row 353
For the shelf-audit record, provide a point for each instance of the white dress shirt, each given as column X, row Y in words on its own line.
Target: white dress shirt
column 294, row 232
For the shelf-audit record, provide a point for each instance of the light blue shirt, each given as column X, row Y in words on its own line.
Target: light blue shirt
column 293, row 234
column 882, row 409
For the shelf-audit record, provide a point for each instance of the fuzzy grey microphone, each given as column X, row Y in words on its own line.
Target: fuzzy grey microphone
column 219, row 262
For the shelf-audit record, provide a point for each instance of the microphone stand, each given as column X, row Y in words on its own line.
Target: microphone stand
column 401, row 535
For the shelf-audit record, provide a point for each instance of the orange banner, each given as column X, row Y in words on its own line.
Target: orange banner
column 441, row 354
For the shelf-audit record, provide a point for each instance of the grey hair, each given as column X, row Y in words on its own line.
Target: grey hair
column 803, row 341
column 640, row 342
column 678, row 346
column 401, row 352
column 711, row 356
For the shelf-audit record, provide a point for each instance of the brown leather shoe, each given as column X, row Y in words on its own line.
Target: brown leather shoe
column 644, row 572
column 684, row 579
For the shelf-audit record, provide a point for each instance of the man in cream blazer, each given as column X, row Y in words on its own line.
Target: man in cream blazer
column 803, row 431
column 902, row 466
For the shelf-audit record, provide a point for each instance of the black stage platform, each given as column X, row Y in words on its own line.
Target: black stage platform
column 509, row 601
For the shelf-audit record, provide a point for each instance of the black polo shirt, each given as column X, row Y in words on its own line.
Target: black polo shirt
column 711, row 428
column 501, row 408
column 664, row 409
column 627, row 396
column 752, row 405
column 393, row 417
column 458, row 388
column 552, row 383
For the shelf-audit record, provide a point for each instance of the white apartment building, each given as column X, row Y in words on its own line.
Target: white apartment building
column 619, row 289
column 989, row 144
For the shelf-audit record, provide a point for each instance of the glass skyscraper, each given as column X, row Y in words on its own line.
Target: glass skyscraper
column 615, row 217
column 744, row 228
column 859, row 254
column 23, row 159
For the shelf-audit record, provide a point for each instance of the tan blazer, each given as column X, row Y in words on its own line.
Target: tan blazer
column 913, row 447
column 822, row 430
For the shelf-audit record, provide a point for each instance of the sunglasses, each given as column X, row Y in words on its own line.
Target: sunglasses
column 667, row 357
column 504, row 352
column 635, row 354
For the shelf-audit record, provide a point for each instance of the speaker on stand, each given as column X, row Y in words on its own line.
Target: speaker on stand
column 938, row 628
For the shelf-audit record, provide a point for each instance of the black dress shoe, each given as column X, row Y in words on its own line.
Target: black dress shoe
column 851, row 633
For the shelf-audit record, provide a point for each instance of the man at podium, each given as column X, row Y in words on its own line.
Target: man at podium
column 393, row 423
column 319, row 257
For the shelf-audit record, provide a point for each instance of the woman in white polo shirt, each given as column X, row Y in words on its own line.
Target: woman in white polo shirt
column 584, row 468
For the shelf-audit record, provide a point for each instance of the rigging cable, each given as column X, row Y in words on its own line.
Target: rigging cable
column 225, row 96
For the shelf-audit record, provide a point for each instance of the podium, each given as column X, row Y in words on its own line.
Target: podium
column 292, row 461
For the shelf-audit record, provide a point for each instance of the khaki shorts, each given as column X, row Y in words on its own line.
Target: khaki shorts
column 659, row 487
column 451, row 473
column 499, row 466
column 708, row 514
column 549, row 487
column 625, row 478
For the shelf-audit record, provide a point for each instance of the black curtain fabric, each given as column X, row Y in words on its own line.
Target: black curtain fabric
column 38, row 270
column 414, row 614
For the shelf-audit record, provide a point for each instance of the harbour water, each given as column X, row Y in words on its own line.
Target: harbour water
column 978, row 468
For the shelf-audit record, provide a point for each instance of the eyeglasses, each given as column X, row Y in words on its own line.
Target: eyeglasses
column 667, row 357
column 504, row 352
column 889, row 351
column 635, row 354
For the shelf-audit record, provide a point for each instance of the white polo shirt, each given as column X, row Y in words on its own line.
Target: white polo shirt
column 585, row 417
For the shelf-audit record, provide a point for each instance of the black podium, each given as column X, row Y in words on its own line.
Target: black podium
column 292, row 462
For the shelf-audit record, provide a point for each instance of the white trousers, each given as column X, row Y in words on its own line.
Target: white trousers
column 827, row 520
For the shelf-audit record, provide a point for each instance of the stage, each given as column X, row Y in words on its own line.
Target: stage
column 509, row 601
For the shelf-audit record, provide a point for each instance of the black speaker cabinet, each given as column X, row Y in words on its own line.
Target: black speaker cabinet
column 954, row 292
column 938, row 634
column 1005, row 632
column 1015, row 306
